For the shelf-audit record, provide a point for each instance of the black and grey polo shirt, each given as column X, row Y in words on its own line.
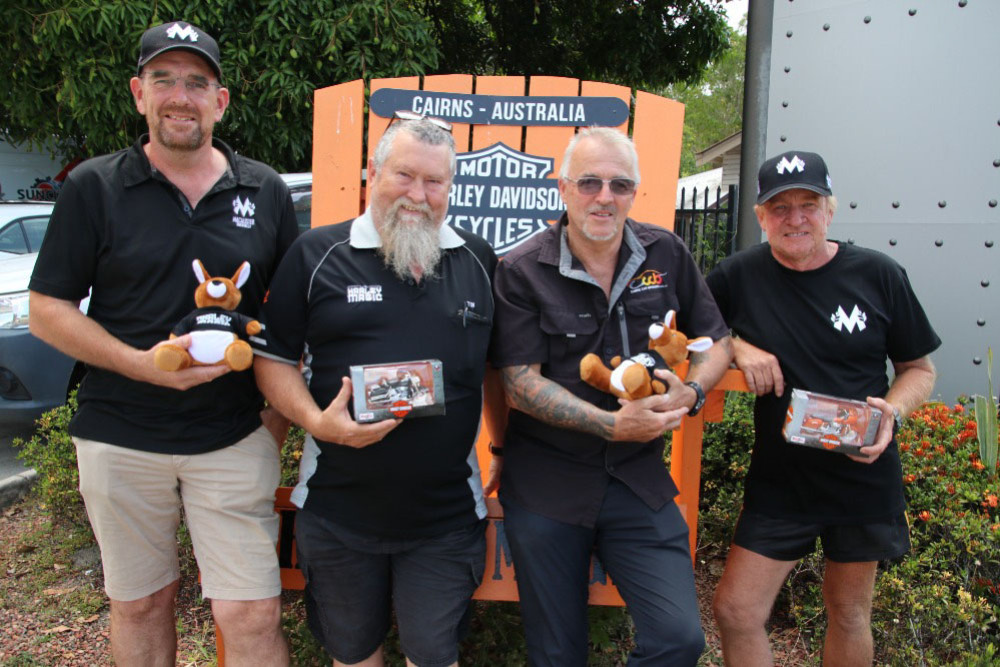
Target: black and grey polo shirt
column 333, row 303
column 123, row 231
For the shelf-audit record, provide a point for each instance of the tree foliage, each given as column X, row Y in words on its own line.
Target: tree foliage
column 68, row 61
column 714, row 104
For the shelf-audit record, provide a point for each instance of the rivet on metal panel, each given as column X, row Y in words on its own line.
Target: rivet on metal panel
column 854, row 204
column 963, row 3
column 981, row 322
column 892, row 241
column 787, row 69
column 826, row 26
column 868, row 19
column 784, row 103
column 942, row 204
column 788, row 34
column 984, row 283
column 895, row 204
column 783, row 138
column 996, row 163
column 977, row 360
column 993, row 203
column 939, row 243
column 989, row 244
column 913, row 12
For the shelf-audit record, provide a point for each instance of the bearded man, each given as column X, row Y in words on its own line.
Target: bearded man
column 392, row 512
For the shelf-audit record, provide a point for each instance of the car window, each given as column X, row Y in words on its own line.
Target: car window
column 35, row 228
column 302, row 200
column 12, row 238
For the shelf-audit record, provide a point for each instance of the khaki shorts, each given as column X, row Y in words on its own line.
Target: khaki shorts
column 133, row 500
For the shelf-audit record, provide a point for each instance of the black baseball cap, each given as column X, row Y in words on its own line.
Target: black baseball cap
column 790, row 170
column 178, row 35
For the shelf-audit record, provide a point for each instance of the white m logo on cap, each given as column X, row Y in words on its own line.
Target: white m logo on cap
column 177, row 32
column 796, row 164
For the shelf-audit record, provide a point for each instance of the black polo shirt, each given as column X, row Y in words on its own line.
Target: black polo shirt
column 123, row 231
column 551, row 312
column 334, row 304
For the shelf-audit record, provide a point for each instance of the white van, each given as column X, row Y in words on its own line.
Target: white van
column 30, row 174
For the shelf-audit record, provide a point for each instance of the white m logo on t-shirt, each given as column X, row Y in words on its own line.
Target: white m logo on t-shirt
column 857, row 319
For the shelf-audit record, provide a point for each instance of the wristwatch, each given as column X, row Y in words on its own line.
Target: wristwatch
column 897, row 417
column 699, row 401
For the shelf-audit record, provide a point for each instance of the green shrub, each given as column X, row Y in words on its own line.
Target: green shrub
column 50, row 451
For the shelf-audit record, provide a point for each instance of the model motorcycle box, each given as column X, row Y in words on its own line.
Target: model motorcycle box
column 831, row 423
column 398, row 390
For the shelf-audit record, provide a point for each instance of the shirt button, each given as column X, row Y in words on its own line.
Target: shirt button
column 609, row 350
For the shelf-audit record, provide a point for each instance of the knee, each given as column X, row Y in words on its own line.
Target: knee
column 248, row 617
column 150, row 608
column 848, row 617
column 732, row 613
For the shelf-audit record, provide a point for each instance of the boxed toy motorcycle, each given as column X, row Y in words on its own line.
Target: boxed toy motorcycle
column 827, row 422
column 394, row 391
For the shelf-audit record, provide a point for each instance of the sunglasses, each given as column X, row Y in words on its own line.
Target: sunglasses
column 591, row 185
column 403, row 114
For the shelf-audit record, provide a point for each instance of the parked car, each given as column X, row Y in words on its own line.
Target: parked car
column 34, row 377
column 301, row 187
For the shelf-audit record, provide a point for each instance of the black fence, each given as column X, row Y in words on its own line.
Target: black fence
column 708, row 229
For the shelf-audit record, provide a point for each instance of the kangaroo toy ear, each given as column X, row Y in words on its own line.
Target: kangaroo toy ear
column 700, row 344
column 670, row 320
column 242, row 275
column 199, row 271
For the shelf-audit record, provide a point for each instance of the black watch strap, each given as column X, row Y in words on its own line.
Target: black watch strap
column 699, row 402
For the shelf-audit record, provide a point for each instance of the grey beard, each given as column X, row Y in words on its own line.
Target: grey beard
column 405, row 246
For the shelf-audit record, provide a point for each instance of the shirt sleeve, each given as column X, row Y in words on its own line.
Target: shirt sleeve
column 67, row 260
column 911, row 335
column 285, row 309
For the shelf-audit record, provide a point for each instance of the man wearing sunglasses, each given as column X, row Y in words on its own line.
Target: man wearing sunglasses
column 582, row 472
column 392, row 512
column 127, row 227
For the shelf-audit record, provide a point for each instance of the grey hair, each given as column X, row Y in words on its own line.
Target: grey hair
column 609, row 137
column 423, row 131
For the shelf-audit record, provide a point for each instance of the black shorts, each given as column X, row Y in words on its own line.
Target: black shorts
column 784, row 539
column 353, row 582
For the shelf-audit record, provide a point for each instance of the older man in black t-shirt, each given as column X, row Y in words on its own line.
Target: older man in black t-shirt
column 815, row 314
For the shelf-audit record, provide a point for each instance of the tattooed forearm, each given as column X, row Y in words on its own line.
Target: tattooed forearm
column 545, row 400
column 708, row 367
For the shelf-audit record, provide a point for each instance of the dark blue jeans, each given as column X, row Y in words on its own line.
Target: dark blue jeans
column 647, row 556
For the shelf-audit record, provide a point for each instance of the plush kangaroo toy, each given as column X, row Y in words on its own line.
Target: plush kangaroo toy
column 217, row 331
column 633, row 377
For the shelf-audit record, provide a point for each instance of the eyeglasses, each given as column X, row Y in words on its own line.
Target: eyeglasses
column 197, row 87
column 404, row 114
column 591, row 185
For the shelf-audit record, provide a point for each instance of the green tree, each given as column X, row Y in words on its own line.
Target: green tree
column 68, row 63
column 714, row 104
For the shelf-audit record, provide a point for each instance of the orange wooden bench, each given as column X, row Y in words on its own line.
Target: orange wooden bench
column 341, row 115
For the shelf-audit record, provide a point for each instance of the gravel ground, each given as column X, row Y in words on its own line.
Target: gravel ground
column 54, row 611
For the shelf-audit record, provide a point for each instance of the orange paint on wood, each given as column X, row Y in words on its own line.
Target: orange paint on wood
column 657, row 132
column 338, row 133
column 549, row 140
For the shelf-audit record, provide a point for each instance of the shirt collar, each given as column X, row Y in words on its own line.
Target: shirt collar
column 365, row 236
column 137, row 169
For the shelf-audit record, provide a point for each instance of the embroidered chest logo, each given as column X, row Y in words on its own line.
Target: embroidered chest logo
column 176, row 31
column 243, row 211
column 364, row 293
column 647, row 280
column 842, row 320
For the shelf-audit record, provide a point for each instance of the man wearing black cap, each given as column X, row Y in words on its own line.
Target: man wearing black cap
column 810, row 313
column 127, row 228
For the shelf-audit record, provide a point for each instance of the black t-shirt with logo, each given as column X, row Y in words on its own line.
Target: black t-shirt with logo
column 120, row 228
column 552, row 313
column 333, row 303
column 832, row 330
